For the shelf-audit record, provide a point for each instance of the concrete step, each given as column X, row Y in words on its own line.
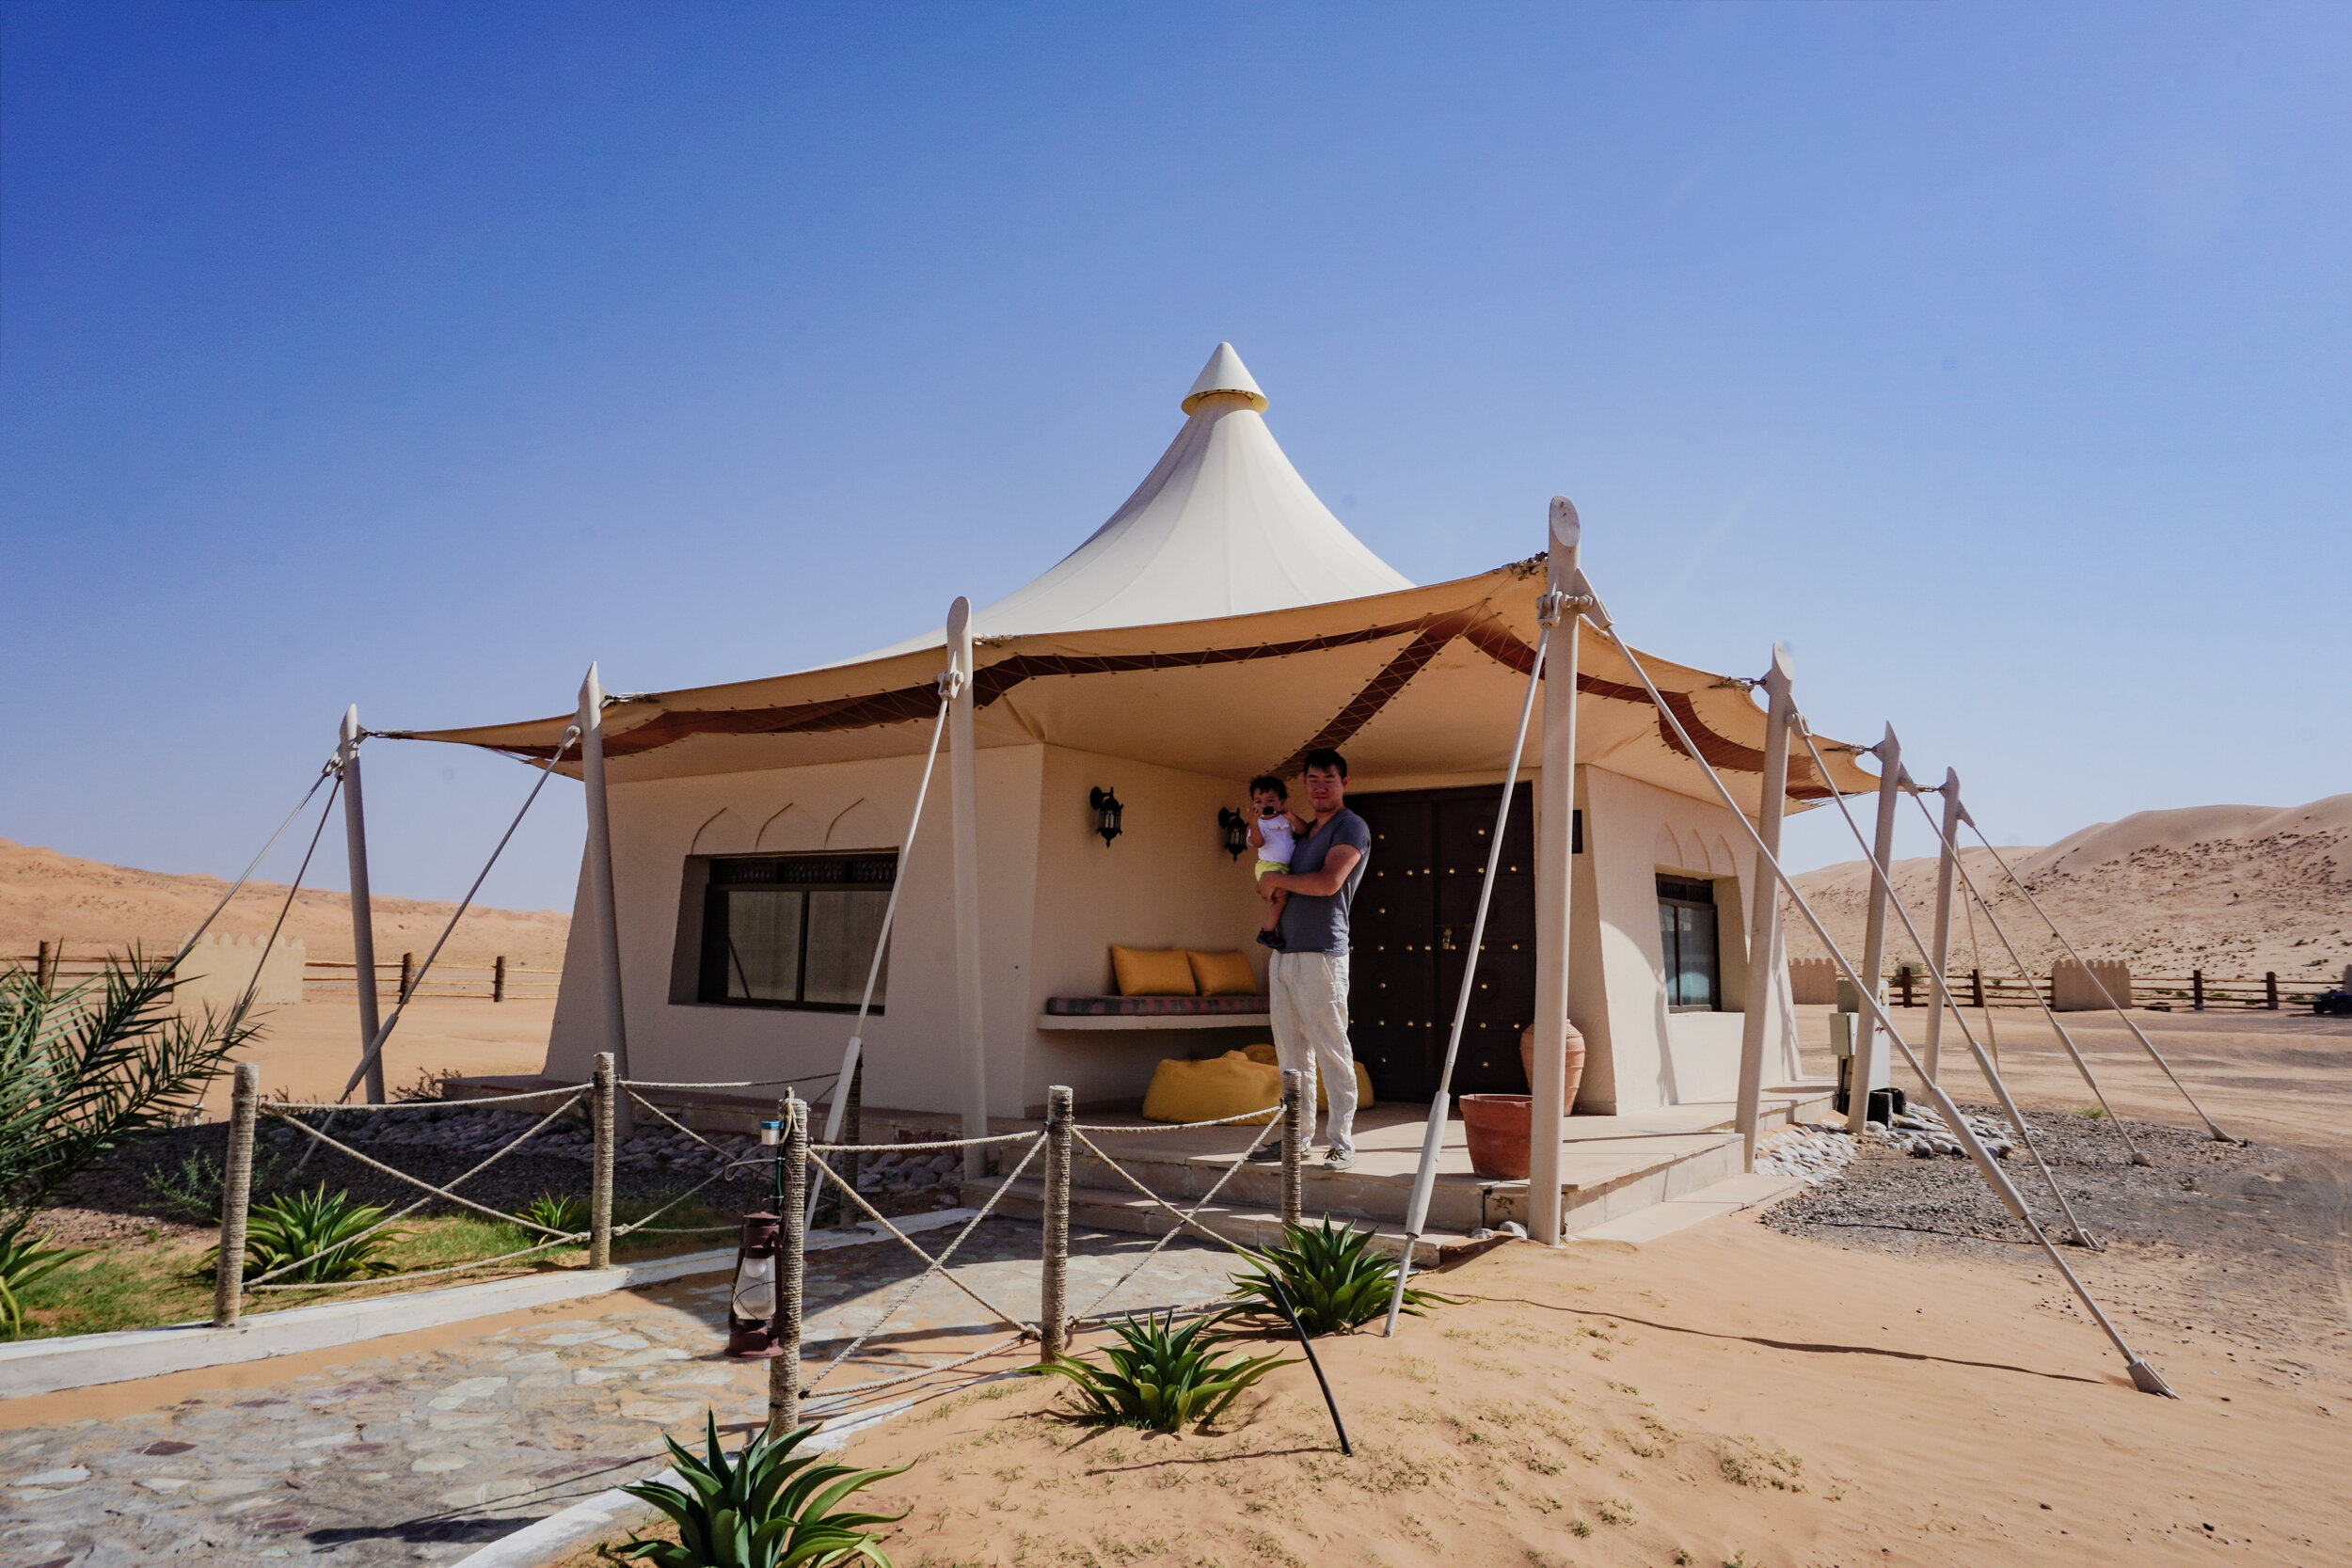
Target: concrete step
column 1663, row 1219
column 1129, row 1212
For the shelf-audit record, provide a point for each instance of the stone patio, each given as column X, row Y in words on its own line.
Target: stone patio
column 421, row 1447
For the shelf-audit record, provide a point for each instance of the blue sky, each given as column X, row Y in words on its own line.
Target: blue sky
column 1993, row 356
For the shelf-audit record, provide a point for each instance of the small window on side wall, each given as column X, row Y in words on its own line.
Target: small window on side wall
column 794, row 930
column 1686, row 931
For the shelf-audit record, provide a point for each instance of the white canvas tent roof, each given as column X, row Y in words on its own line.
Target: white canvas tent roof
column 1222, row 524
column 1221, row 622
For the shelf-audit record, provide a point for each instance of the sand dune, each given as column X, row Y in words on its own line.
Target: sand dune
column 93, row 907
column 2235, row 890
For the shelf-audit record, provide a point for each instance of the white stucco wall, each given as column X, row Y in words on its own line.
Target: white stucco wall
column 1641, row 1055
column 1054, row 899
column 1166, row 882
column 855, row 805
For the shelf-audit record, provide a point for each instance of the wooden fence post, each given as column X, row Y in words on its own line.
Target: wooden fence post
column 1903, row 974
column 1976, row 983
column 408, row 973
column 1294, row 1146
column 236, row 1195
column 45, row 967
column 600, row 1120
column 498, row 979
column 1052, row 1319
column 2270, row 989
column 784, row 1370
column 2197, row 990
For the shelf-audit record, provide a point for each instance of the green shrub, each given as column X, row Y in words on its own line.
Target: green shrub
column 23, row 1260
column 295, row 1226
column 83, row 1068
column 1163, row 1378
column 1334, row 1282
column 770, row 1507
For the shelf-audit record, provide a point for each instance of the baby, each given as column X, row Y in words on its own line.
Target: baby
column 1275, row 836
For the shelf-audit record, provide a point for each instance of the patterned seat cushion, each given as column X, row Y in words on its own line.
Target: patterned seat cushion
column 1153, row 1006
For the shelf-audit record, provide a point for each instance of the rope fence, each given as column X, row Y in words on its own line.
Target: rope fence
column 801, row 1172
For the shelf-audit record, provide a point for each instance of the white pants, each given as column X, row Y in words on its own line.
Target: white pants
column 1310, row 1035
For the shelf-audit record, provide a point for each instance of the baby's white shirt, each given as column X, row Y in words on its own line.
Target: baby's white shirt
column 1281, row 836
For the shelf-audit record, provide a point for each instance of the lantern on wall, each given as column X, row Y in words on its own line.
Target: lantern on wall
column 752, row 1304
column 1236, row 830
column 1105, row 807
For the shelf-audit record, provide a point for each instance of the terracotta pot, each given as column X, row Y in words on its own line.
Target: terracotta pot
column 1575, row 1076
column 1497, row 1126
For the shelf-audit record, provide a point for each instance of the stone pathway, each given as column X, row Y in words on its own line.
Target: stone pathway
column 419, row 1455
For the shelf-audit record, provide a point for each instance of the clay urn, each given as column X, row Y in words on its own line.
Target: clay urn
column 1497, row 1126
column 1571, row 1079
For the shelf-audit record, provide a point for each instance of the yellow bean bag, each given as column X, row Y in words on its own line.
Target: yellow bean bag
column 1264, row 1052
column 1205, row 1091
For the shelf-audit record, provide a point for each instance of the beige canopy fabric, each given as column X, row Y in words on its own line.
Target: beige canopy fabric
column 1424, row 684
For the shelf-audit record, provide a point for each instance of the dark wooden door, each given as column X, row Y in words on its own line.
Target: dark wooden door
column 1412, row 928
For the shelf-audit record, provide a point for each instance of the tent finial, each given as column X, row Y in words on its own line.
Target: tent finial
column 1224, row 376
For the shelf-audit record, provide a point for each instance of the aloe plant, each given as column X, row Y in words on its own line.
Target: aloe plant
column 326, row 1228
column 1161, row 1377
column 1334, row 1281
column 769, row 1507
column 564, row 1212
column 23, row 1260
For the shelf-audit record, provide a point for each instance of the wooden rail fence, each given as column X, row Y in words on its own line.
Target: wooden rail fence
column 55, row 965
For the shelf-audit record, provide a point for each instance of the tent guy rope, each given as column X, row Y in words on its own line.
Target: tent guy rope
column 2144, row 1377
column 1976, row 898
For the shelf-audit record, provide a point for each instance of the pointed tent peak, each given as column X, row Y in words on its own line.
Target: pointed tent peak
column 1224, row 374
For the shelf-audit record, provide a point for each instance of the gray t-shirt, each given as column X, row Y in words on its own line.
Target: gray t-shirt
column 1312, row 924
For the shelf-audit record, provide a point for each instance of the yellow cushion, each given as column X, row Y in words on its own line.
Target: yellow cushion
column 1204, row 1091
column 1264, row 1052
column 1142, row 972
column 1224, row 973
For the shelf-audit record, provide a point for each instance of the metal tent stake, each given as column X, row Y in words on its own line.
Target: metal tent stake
column 600, row 894
column 1764, row 906
column 1890, row 755
column 1555, row 881
column 362, row 916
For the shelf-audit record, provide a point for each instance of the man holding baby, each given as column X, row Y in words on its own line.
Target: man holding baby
column 1307, row 970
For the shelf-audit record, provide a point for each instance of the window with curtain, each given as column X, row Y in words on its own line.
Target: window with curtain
column 794, row 930
column 1686, row 930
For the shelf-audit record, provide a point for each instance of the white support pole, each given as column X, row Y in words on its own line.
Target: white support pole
column 1890, row 755
column 1764, row 904
column 1946, row 861
column 1555, row 872
column 606, row 909
column 964, row 827
column 363, row 917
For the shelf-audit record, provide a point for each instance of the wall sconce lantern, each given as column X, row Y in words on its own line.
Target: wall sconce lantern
column 1236, row 830
column 1106, row 808
column 752, row 1305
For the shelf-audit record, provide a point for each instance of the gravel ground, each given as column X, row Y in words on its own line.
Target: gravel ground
column 2254, row 1233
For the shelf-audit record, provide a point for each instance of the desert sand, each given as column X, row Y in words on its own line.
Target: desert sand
column 307, row 1053
column 2234, row 889
column 95, row 908
column 1725, row 1396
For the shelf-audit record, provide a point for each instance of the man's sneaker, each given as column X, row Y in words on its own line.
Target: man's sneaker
column 1339, row 1159
column 1271, row 939
column 1266, row 1154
